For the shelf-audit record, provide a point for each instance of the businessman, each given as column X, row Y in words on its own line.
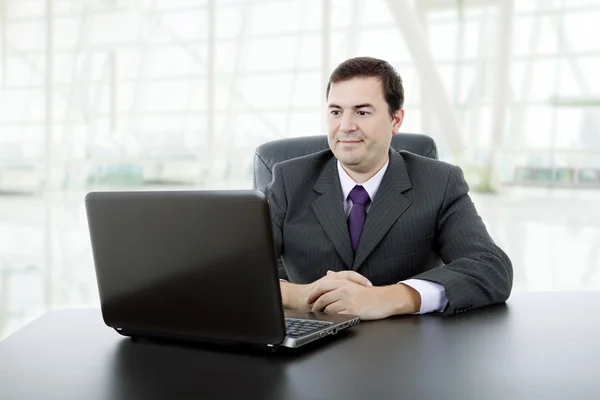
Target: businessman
column 362, row 229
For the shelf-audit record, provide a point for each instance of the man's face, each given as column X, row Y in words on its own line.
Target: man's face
column 359, row 123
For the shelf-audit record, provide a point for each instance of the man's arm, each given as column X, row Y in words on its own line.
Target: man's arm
column 432, row 295
column 342, row 296
column 292, row 295
column 476, row 271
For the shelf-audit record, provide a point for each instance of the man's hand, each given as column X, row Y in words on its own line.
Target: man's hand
column 339, row 296
column 294, row 296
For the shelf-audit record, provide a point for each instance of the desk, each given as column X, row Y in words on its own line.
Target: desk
column 538, row 345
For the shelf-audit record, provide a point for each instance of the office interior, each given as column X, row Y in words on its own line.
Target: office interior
column 177, row 94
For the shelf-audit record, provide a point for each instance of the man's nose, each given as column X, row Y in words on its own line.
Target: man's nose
column 347, row 124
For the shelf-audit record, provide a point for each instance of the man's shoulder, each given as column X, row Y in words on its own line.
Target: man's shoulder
column 428, row 174
column 415, row 162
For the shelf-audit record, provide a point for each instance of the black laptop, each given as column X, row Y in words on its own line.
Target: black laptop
column 194, row 265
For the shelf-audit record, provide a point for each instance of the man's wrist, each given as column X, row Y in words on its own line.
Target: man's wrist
column 403, row 299
column 288, row 296
column 293, row 296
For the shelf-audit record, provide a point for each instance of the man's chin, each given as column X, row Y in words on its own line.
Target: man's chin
column 349, row 160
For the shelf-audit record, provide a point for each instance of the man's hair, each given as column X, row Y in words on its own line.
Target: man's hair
column 364, row 67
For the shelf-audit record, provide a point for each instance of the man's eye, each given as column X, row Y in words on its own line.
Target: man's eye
column 363, row 113
column 335, row 112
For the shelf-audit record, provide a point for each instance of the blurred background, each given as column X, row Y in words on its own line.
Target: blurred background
column 145, row 94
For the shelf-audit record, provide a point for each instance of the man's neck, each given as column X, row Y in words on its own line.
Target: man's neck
column 362, row 177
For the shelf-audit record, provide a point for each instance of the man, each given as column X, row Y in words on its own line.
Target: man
column 362, row 229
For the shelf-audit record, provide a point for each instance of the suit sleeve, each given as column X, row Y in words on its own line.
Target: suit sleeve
column 275, row 192
column 476, row 271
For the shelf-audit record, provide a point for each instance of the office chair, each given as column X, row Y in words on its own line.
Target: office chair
column 270, row 153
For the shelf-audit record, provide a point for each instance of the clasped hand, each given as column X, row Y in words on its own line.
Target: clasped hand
column 348, row 292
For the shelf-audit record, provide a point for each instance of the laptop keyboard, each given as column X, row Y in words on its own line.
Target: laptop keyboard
column 300, row 327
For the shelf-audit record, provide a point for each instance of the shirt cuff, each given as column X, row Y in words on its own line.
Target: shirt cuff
column 433, row 295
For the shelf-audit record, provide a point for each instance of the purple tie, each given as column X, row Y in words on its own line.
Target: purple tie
column 360, row 199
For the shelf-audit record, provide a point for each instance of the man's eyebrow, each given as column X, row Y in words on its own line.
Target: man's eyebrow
column 355, row 107
column 363, row 105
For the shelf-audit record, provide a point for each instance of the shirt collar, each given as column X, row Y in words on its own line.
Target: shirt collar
column 371, row 186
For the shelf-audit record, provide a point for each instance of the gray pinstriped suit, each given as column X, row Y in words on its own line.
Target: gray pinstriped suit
column 422, row 224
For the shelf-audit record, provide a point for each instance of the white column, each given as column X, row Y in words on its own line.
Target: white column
column 4, row 41
column 409, row 26
column 222, row 143
column 326, row 60
column 50, row 178
column 49, row 173
column 353, row 28
column 501, row 90
column 210, row 75
column 113, row 72
column 427, row 111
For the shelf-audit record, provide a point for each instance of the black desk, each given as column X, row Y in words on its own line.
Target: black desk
column 539, row 345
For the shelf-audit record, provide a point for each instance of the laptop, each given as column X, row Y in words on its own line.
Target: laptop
column 195, row 265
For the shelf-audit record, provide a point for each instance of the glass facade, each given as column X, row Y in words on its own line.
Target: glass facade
column 108, row 94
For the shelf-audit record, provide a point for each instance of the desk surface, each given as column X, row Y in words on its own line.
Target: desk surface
column 538, row 345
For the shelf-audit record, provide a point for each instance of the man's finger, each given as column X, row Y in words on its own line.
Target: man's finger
column 322, row 288
column 354, row 277
column 335, row 308
column 325, row 300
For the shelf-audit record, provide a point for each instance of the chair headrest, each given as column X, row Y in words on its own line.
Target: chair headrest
column 273, row 152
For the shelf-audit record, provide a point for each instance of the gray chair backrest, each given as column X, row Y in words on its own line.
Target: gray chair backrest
column 270, row 153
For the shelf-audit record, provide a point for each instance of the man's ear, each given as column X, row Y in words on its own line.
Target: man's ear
column 397, row 121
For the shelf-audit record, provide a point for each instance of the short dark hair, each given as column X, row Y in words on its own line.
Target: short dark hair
column 393, row 91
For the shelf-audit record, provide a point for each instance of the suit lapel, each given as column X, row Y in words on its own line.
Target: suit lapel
column 388, row 206
column 329, row 210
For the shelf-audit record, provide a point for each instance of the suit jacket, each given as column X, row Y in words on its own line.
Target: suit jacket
column 422, row 224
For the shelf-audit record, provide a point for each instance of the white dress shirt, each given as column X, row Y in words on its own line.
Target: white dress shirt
column 433, row 295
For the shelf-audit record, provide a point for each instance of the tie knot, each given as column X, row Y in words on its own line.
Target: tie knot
column 359, row 195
